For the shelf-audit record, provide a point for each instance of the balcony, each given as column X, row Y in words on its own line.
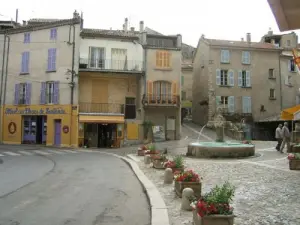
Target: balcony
column 161, row 100
column 110, row 65
column 101, row 108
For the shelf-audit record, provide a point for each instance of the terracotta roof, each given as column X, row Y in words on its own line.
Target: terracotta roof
column 44, row 25
column 109, row 33
column 242, row 44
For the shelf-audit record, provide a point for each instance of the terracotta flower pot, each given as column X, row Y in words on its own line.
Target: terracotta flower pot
column 213, row 219
column 152, row 153
column 294, row 164
column 196, row 186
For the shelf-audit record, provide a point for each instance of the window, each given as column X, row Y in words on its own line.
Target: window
column 130, row 108
column 22, row 93
column 272, row 93
column 163, row 59
column 288, row 80
column 53, row 34
column 225, row 77
column 50, row 92
column 244, row 78
column 246, row 57
column 162, row 90
column 288, row 43
column 182, row 80
column 224, row 101
column 225, row 56
column 119, row 59
column 272, row 74
column 51, row 59
column 26, row 37
column 96, row 58
column 246, row 104
column 227, row 102
column 292, row 65
column 25, row 63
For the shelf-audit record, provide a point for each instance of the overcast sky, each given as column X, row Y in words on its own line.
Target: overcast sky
column 219, row 19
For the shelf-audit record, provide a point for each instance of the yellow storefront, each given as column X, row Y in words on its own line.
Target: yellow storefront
column 52, row 125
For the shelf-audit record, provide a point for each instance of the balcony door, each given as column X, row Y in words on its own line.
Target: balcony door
column 119, row 59
column 97, row 58
column 162, row 91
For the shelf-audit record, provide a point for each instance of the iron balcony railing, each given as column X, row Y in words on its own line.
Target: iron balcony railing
column 85, row 107
column 161, row 99
column 110, row 64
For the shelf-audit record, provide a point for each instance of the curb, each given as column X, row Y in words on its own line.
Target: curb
column 159, row 211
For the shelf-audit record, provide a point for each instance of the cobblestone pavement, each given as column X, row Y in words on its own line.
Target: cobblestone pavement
column 267, row 192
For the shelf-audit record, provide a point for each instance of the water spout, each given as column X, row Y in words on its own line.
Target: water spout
column 201, row 132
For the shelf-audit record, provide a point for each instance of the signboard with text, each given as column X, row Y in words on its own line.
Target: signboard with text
column 29, row 111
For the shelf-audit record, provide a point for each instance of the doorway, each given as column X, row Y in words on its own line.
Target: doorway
column 57, row 132
column 106, row 135
column 34, row 130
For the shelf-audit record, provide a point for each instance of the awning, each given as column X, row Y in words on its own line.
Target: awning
column 287, row 13
column 288, row 114
column 100, row 119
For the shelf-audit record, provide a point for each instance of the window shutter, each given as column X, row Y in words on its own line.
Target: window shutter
column 53, row 57
column 240, row 78
column 17, row 94
column 56, row 92
column 244, row 99
column 43, row 93
column 289, row 65
column 249, row 58
column 243, row 57
column 222, row 56
column 218, row 100
column 23, row 62
column 49, row 59
column 248, row 79
column 28, row 94
column 150, row 90
column 218, row 77
column 231, row 104
column 231, row 78
column 227, row 59
column 249, row 105
column 157, row 59
column 27, row 63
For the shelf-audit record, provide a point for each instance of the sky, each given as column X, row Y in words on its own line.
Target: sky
column 217, row 19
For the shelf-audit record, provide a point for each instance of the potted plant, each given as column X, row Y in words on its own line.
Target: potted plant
column 141, row 150
column 176, row 164
column 188, row 179
column 159, row 160
column 151, row 150
column 214, row 207
column 294, row 161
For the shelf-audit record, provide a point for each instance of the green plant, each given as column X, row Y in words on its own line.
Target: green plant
column 178, row 161
column 152, row 147
column 292, row 156
column 220, row 194
column 188, row 176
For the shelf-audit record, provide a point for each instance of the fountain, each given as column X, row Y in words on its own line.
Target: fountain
column 219, row 148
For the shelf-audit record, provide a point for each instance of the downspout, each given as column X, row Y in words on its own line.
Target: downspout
column 5, row 80
column 280, row 82
column 1, row 87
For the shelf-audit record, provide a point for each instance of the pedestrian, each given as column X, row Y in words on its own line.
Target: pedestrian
column 278, row 136
column 286, row 137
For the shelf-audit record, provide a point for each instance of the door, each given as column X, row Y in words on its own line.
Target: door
column 57, row 132
column 97, row 58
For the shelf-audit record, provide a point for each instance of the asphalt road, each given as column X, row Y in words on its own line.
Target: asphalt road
column 73, row 189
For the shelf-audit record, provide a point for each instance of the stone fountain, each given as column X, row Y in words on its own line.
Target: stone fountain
column 219, row 148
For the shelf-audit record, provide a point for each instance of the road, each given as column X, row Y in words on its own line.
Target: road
column 70, row 189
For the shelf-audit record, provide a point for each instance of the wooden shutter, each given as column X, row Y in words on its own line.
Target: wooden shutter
column 17, row 94
column 149, row 90
column 56, row 92
column 43, row 93
column 218, row 77
column 248, row 79
column 28, row 94
column 231, row 78
column 231, row 104
column 158, row 59
column 174, row 92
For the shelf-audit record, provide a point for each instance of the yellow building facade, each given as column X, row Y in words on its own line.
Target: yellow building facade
column 52, row 125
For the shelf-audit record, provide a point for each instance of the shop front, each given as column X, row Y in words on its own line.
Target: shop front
column 98, row 131
column 51, row 125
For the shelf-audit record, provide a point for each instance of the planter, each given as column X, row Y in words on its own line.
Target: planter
column 141, row 152
column 294, row 164
column 196, row 186
column 213, row 219
column 177, row 170
column 152, row 153
column 159, row 163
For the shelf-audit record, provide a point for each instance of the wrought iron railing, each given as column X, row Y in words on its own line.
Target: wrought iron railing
column 85, row 107
column 161, row 99
column 110, row 64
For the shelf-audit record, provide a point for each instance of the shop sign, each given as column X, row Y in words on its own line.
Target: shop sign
column 66, row 129
column 12, row 127
column 29, row 111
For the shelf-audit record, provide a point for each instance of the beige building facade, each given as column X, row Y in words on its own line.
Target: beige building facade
column 241, row 76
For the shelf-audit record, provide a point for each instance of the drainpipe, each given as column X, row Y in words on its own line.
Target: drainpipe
column 280, row 82
column 73, row 65
column 1, row 87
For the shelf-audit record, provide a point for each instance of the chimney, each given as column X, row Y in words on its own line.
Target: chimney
column 75, row 15
column 270, row 32
column 132, row 29
column 141, row 26
column 17, row 15
column 126, row 24
column 249, row 38
column 179, row 41
column 24, row 22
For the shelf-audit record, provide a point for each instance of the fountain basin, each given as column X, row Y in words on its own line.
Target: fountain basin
column 220, row 150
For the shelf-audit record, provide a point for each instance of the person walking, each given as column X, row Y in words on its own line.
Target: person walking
column 278, row 136
column 285, row 137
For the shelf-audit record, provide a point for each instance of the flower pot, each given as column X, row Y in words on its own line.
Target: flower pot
column 294, row 164
column 196, row 186
column 177, row 170
column 141, row 152
column 152, row 153
column 213, row 219
column 158, row 163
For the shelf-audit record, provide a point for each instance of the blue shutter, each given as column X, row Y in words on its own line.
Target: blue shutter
column 56, row 92
column 49, row 59
column 240, row 78
column 28, row 38
column 231, row 104
column 249, row 105
column 17, row 94
column 218, row 77
column 227, row 56
column 248, row 79
column 289, row 65
column 249, row 58
column 28, row 94
column 53, row 66
column 43, row 93
column 23, row 62
column 222, row 55
column 231, row 78
column 244, row 103
column 27, row 62
column 218, row 100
